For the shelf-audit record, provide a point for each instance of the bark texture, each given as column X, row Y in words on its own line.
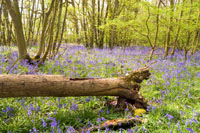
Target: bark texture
column 60, row 86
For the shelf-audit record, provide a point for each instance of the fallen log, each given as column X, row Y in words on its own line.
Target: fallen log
column 117, row 123
column 127, row 88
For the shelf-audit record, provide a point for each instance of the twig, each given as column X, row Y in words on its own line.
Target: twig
column 147, row 65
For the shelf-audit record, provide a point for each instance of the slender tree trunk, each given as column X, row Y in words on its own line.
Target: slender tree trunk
column 101, row 19
column 30, row 28
column 196, row 44
column 75, row 18
column 196, row 36
column 114, row 33
column 169, row 30
column 16, row 19
column 58, row 29
column 63, row 27
column 1, row 6
column 35, row 33
column 157, row 29
column 6, row 29
column 93, row 28
column 98, row 23
column 44, row 30
column 84, row 23
column 178, row 30
column 51, row 25
column 189, row 32
column 38, row 30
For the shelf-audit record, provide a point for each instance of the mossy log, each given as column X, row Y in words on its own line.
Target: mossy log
column 127, row 88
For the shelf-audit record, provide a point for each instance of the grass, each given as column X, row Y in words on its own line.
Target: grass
column 173, row 92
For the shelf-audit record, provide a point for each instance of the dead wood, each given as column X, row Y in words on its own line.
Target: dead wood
column 118, row 123
column 127, row 88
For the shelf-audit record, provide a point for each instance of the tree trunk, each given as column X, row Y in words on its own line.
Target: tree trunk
column 187, row 45
column 51, row 27
column 196, row 45
column 75, row 20
column 178, row 30
column 44, row 30
column 16, row 19
column 58, row 30
column 157, row 30
column 60, row 86
column 195, row 39
column 1, row 6
column 30, row 25
column 84, row 6
column 63, row 28
column 169, row 30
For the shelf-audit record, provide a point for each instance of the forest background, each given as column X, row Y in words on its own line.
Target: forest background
column 100, row 23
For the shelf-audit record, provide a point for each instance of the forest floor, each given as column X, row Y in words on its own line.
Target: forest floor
column 173, row 92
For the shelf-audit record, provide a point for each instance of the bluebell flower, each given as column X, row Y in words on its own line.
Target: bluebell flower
column 58, row 130
column 60, row 106
column 70, row 130
column 29, row 112
column 74, row 106
column 190, row 130
column 98, row 120
column 87, row 99
column 107, row 111
column 53, row 124
column 103, row 119
column 101, row 111
column 90, row 124
column 44, row 124
column 130, row 130
column 169, row 116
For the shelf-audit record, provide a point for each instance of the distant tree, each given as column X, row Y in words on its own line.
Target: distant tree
column 157, row 30
column 179, row 28
column 169, row 29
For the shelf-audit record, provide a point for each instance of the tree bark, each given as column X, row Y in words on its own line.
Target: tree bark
column 63, row 27
column 84, row 6
column 58, row 30
column 157, row 30
column 60, row 86
column 16, row 19
column 51, row 33
column 169, row 29
column 44, row 31
column 179, row 29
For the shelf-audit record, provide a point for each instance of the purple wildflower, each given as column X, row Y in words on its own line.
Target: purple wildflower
column 44, row 124
column 169, row 117
column 60, row 106
column 74, row 106
column 35, row 130
column 108, row 112
column 130, row 130
column 98, row 120
column 103, row 119
column 29, row 113
column 87, row 99
column 53, row 123
column 190, row 130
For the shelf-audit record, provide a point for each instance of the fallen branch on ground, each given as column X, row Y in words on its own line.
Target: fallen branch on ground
column 127, row 88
